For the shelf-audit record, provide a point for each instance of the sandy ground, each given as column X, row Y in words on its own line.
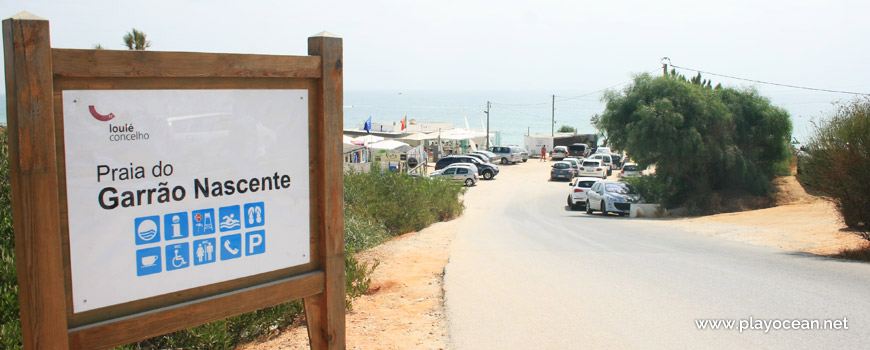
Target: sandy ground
column 404, row 309
column 800, row 222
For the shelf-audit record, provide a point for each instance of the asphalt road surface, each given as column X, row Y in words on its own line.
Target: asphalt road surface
column 525, row 272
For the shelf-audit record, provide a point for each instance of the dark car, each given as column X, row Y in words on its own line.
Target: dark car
column 578, row 150
column 562, row 171
column 485, row 170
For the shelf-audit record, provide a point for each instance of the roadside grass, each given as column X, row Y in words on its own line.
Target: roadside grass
column 378, row 206
column 861, row 253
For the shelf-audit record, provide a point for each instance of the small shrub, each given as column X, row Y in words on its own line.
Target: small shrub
column 10, row 327
column 837, row 162
column 358, row 276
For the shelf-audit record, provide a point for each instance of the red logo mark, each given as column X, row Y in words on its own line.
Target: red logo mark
column 100, row 117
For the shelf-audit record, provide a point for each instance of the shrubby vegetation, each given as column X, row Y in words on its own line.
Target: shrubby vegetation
column 700, row 138
column 377, row 207
column 837, row 162
column 10, row 327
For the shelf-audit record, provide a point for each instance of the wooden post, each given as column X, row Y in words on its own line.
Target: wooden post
column 33, row 169
column 325, row 311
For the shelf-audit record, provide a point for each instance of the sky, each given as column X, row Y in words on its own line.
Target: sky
column 499, row 45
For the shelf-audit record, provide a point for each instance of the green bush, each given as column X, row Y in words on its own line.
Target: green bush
column 837, row 162
column 399, row 202
column 10, row 327
column 702, row 140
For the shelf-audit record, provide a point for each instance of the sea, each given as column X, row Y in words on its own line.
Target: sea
column 513, row 114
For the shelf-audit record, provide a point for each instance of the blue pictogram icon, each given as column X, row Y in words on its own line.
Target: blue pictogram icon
column 255, row 214
column 229, row 218
column 177, row 256
column 203, row 222
column 255, row 242
column 147, row 229
column 231, row 246
column 204, row 251
column 148, row 261
column 175, row 226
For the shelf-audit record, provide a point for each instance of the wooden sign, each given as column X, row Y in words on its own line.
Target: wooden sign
column 157, row 191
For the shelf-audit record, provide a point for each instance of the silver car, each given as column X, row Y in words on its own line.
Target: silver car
column 506, row 154
column 460, row 172
column 612, row 197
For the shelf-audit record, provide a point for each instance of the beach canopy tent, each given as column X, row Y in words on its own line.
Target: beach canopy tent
column 366, row 139
column 346, row 139
column 391, row 146
column 418, row 138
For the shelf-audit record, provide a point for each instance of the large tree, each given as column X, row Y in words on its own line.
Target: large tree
column 136, row 40
column 699, row 138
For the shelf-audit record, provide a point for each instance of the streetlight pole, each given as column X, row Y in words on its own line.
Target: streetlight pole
column 487, row 124
column 553, row 123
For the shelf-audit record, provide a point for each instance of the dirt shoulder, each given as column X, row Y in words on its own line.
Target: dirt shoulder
column 404, row 307
column 801, row 222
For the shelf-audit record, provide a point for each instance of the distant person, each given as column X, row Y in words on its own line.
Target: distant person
column 543, row 153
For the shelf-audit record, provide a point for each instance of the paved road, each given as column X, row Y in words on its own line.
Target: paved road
column 527, row 273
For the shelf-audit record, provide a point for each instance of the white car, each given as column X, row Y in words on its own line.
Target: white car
column 592, row 167
column 605, row 160
column 630, row 170
column 603, row 150
column 579, row 189
column 461, row 172
column 559, row 153
column 612, row 197
column 575, row 164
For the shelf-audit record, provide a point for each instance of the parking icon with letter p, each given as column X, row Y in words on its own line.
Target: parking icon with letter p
column 255, row 242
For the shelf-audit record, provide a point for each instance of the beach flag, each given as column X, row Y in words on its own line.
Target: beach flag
column 368, row 125
column 403, row 122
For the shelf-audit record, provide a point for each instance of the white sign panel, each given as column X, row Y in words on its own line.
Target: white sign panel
column 174, row 189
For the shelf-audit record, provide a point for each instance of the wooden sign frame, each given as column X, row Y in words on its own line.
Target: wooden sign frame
column 36, row 75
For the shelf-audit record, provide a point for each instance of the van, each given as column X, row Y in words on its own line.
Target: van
column 578, row 150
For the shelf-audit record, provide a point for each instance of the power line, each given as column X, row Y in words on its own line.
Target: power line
column 771, row 83
column 604, row 89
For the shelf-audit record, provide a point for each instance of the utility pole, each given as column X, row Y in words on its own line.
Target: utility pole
column 665, row 61
column 487, row 124
column 553, row 123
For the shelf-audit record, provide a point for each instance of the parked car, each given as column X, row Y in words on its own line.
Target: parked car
column 485, row 170
column 603, row 150
column 592, row 167
column 612, row 197
column 464, row 173
column 578, row 150
column 479, row 156
column 630, row 170
column 524, row 153
column 488, row 154
column 559, row 152
column 506, row 154
column 605, row 160
column 577, row 196
column 575, row 164
column 561, row 171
